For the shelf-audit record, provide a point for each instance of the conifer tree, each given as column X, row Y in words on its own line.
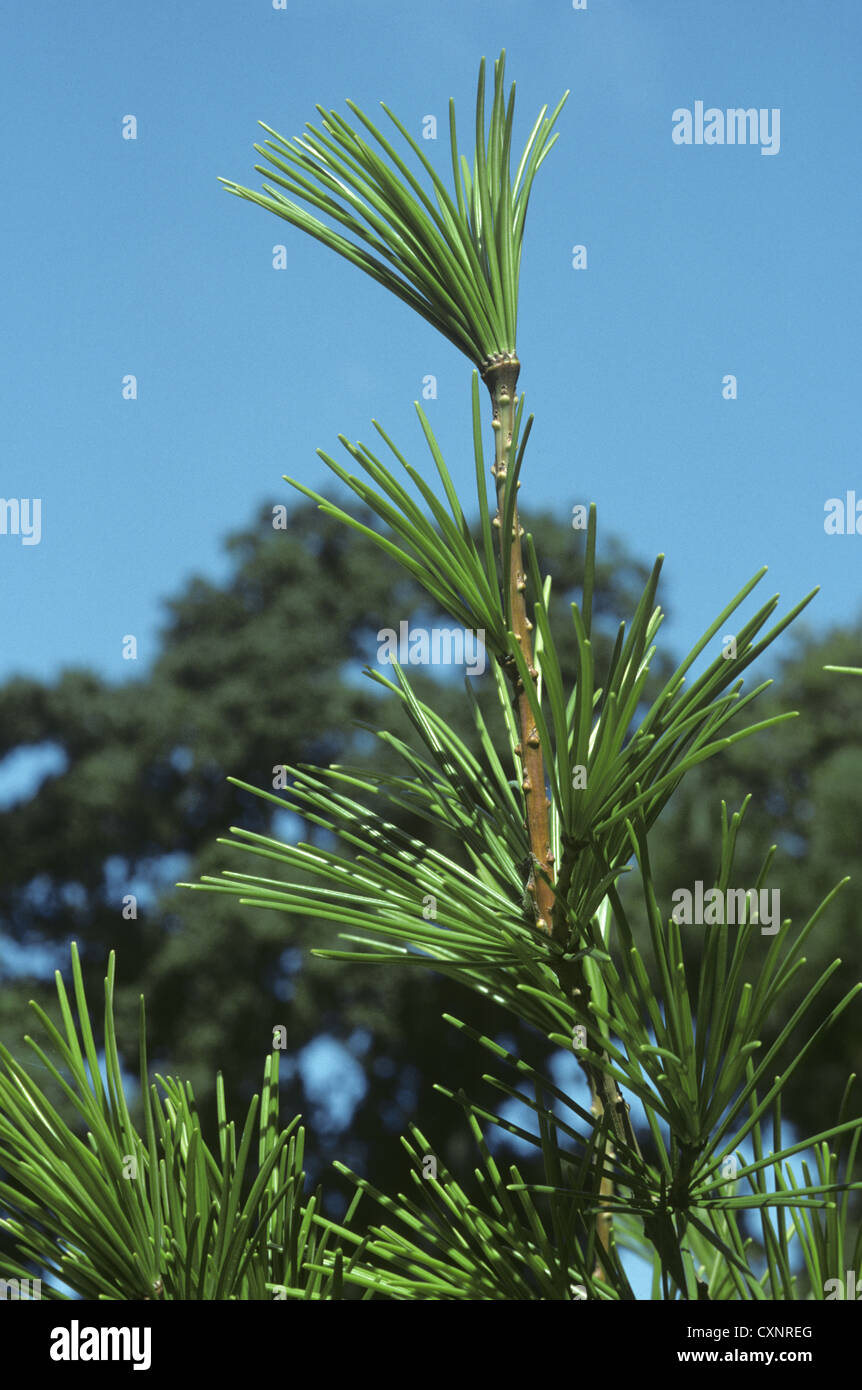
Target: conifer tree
column 524, row 906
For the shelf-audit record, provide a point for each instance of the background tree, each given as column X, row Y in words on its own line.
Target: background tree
column 268, row 660
column 144, row 796
column 805, row 781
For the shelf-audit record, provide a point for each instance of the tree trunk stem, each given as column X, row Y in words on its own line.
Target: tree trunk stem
column 501, row 378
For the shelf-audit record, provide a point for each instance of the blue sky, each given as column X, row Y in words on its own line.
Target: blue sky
column 128, row 256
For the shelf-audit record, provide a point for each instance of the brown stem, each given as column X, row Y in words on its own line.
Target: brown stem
column 604, row 1219
column 501, row 377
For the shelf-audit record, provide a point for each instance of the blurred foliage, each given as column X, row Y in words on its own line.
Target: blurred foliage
column 805, row 777
column 253, row 673
column 262, row 670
